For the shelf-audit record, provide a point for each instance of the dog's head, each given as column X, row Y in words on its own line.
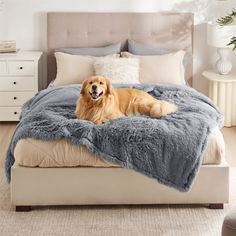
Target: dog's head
column 96, row 87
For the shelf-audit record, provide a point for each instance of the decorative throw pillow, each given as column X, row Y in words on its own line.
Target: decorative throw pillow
column 74, row 69
column 98, row 52
column 138, row 48
column 141, row 49
column 160, row 69
column 118, row 70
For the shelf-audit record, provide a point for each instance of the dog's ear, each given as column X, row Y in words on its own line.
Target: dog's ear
column 109, row 87
column 82, row 91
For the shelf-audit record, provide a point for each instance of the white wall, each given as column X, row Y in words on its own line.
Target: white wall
column 25, row 21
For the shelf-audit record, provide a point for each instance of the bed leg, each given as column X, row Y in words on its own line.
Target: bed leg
column 216, row 206
column 23, row 208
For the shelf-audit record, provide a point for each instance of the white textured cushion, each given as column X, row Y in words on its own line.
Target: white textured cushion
column 160, row 69
column 118, row 70
column 73, row 69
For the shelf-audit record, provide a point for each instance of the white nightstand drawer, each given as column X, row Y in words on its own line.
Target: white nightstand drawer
column 16, row 83
column 10, row 113
column 20, row 77
column 21, row 67
column 14, row 98
column 3, row 68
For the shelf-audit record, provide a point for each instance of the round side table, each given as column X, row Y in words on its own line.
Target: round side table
column 222, row 91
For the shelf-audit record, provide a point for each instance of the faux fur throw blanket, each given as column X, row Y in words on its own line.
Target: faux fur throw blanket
column 168, row 149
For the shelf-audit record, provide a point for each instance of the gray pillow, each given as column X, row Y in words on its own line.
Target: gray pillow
column 141, row 49
column 97, row 52
column 137, row 48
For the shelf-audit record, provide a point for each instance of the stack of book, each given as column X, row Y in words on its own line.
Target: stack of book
column 7, row 46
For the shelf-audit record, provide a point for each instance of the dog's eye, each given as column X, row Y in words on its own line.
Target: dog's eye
column 90, row 82
column 101, row 82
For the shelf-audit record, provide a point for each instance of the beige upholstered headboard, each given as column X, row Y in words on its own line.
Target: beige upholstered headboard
column 76, row 29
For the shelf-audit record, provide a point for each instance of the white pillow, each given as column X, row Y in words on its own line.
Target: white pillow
column 118, row 70
column 160, row 69
column 74, row 69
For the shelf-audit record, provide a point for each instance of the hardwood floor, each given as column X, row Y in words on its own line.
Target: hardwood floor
column 7, row 130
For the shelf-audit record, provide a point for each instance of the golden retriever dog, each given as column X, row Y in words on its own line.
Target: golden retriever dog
column 99, row 102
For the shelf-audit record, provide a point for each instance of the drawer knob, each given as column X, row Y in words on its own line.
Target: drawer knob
column 14, row 82
column 15, row 98
column 21, row 67
column 15, row 112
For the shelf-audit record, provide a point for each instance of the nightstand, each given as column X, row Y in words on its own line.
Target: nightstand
column 222, row 91
column 20, row 80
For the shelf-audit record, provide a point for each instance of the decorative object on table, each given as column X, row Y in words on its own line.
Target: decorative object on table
column 221, row 92
column 219, row 37
column 7, row 46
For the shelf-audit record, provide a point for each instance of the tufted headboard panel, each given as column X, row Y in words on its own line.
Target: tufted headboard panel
column 76, row 29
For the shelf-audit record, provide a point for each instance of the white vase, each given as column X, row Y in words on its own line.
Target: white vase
column 224, row 65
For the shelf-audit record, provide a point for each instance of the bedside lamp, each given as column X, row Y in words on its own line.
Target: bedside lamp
column 219, row 37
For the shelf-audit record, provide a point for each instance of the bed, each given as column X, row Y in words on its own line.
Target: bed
column 88, row 180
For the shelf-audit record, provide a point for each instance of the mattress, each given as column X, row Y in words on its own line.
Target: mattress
column 59, row 153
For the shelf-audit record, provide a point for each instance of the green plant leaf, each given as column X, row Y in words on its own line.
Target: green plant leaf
column 228, row 19
column 232, row 42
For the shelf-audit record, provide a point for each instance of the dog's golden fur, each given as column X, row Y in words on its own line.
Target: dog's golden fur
column 114, row 103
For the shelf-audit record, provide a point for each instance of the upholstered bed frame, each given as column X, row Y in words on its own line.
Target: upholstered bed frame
column 87, row 185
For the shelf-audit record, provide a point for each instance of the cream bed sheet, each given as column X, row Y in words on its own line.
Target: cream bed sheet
column 38, row 153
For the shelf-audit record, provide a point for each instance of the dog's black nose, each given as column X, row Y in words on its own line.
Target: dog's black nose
column 94, row 87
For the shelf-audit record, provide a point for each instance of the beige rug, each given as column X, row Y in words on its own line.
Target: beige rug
column 163, row 220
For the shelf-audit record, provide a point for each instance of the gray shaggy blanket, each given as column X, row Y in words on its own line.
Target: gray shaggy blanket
column 168, row 149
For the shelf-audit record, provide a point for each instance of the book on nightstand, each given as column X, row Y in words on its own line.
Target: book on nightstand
column 8, row 46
